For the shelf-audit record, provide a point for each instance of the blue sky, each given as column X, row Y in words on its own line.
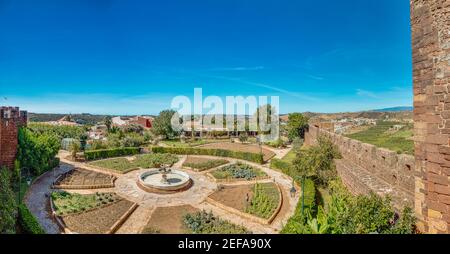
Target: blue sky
column 133, row 57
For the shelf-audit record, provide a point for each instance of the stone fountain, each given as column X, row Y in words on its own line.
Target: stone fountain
column 164, row 180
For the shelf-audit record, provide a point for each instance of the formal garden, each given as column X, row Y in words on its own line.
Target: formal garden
column 158, row 181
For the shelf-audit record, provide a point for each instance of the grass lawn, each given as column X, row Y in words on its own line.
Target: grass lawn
column 238, row 171
column 201, row 163
column 141, row 161
column 69, row 203
column 289, row 157
column 264, row 200
column 382, row 135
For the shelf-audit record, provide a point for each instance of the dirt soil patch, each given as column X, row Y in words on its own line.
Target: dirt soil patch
column 234, row 196
column 249, row 148
column 97, row 221
column 84, row 177
column 169, row 220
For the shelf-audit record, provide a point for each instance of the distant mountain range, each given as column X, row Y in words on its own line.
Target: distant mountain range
column 394, row 109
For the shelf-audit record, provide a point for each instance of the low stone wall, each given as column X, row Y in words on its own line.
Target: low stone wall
column 364, row 167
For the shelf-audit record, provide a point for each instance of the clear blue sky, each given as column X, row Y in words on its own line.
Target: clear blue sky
column 132, row 57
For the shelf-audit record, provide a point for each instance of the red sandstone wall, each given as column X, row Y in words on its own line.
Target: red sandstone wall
column 366, row 168
column 8, row 134
column 430, row 23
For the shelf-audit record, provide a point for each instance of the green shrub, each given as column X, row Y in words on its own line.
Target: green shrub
column 75, row 132
column 108, row 153
column 237, row 171
column 37, row 151
column 264, row 201
column 253, row 157
column 206, row 223
column 28, row 222
column 297, row 224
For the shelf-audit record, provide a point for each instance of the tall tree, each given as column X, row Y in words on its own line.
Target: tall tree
column 162, row 124
column 297, row 125
column 108, row 122
column 8, row 209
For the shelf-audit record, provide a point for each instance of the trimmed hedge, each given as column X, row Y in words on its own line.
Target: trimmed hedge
column 297, row 224
column 253, row 157
column 108, row 153
column 28, row 222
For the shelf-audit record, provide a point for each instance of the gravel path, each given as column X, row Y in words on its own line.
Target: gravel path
column 37, row 198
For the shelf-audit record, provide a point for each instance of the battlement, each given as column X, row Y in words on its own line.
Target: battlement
column 11, row 119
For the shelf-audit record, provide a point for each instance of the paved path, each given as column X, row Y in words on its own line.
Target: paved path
column 37, row 198
column 137, row 221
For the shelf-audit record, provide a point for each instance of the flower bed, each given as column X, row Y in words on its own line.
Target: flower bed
column 206, row 223
column 201, row 164
column 102, row 220
column 257, row 202
column 238, row 171
column 253, row 157
column 72, row 203
column 83, row 179
column 264, row 201
column 124, row 165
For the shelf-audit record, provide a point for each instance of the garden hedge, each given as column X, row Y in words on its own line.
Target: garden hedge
column 253, row 157
column 108, row 153
column 28, row 222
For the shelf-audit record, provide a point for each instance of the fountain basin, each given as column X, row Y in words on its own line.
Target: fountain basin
column 176, row 180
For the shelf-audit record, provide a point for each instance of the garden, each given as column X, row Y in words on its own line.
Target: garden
column 238, row 171
column 92, row 213
column 260, row 199
column 124, row 165
column 202, row 163
column 84, row 179
column 206, row 223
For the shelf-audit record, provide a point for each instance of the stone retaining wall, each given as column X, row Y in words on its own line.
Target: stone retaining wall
column 364, row 167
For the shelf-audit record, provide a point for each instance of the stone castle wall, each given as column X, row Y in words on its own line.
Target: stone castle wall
column 430, row 23
column 11, row 118
column 365, row 168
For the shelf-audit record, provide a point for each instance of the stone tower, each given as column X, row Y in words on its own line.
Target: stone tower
column 430, row 22
column 11, row 118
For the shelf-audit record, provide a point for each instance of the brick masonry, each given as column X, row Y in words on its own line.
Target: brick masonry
column 430, row 23
column 365, row 168
column 11, row 118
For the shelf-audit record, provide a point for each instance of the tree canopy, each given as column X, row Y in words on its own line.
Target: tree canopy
column 162, row 124
column 297, row 125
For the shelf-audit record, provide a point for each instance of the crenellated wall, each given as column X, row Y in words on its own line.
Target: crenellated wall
column 364, row 168
column 11, row 118
column 430, row 25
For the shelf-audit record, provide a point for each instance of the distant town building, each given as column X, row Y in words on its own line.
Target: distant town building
column 11, row 119
column 144, row 121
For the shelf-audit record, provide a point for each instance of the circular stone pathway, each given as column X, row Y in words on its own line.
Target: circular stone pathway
column 127, row 188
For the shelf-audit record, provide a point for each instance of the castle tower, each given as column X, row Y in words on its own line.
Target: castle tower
column 431, row 70
column 11, row 119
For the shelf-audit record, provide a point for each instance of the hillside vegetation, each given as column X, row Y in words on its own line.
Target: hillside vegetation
column 384, row 135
